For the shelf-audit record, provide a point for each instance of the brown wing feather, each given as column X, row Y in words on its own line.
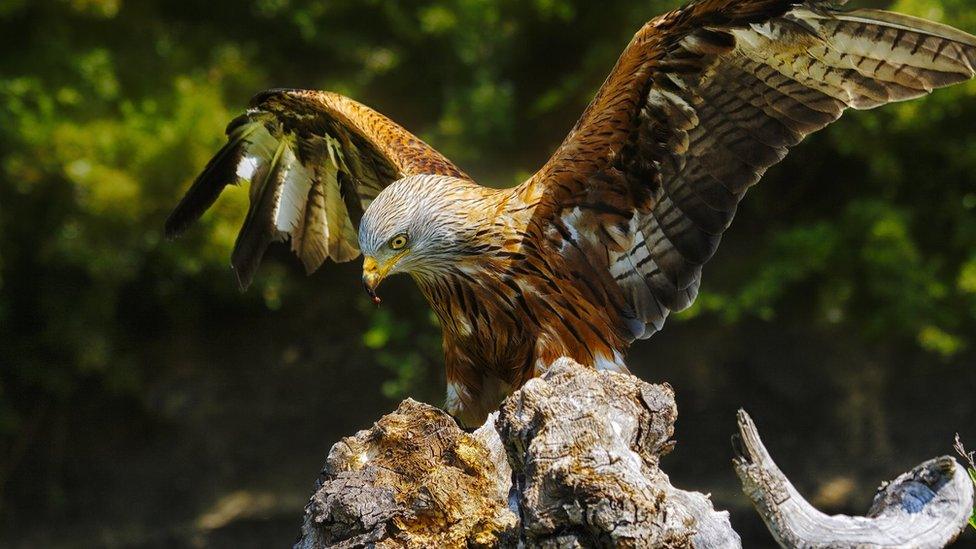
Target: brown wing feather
column 701, row 103
column 314, row 160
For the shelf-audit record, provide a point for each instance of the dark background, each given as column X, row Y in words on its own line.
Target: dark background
column 145, row 402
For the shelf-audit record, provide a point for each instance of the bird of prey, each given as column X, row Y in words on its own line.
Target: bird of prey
column 597, row 248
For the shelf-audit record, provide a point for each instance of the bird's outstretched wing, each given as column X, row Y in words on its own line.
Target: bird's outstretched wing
column 701, row 103
column 314, row 160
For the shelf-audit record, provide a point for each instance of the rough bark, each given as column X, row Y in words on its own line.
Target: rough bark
column 925, row 507
column 572, row 460
column 585, row 449
column 413, row 479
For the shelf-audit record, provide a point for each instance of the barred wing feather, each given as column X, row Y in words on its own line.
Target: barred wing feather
column 707, row 98
column 314, row 161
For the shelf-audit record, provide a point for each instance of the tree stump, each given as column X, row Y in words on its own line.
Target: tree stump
column 572, row 460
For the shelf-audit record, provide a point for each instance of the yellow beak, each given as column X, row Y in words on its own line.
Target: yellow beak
column 373, row 274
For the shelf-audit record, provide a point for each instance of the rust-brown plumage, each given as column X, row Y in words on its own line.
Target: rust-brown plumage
column 597, row 248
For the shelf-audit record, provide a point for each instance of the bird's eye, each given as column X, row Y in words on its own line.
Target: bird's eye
column 398, row 242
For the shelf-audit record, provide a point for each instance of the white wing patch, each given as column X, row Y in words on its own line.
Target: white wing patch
column 291, row 208
column 247, row 167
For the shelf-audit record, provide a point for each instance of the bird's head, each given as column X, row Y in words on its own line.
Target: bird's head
column 417, row 225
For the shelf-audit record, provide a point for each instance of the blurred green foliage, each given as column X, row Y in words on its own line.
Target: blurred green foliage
column 972, row 519
column 970, row 464
column 408, row 354
column 109, row 108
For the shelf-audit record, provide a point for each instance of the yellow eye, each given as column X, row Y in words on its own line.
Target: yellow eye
column 398, row 242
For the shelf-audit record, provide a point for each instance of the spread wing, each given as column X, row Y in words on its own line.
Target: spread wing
column 701, row 103
column 314, row 160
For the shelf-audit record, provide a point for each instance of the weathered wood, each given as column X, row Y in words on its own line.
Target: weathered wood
column 572, row 459
column 413, row 479
column 925, row 507
column 586, row 448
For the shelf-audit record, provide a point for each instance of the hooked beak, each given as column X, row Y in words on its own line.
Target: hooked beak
column 372, row 276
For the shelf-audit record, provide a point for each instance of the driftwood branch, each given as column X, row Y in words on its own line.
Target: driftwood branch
column 925, row 507
column 572, row 460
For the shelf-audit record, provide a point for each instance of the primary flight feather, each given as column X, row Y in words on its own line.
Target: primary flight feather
column 609, row 237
